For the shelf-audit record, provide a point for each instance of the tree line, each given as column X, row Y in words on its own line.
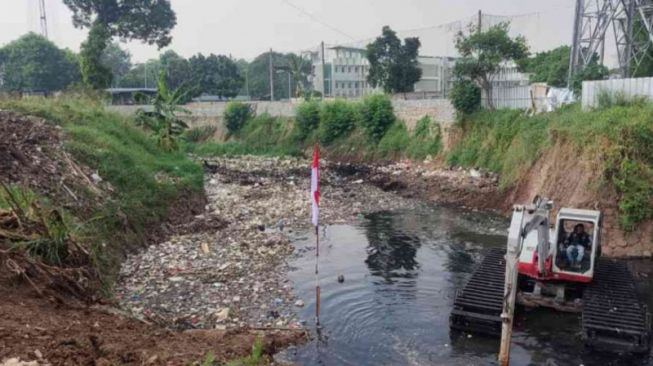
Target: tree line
column 32, row 63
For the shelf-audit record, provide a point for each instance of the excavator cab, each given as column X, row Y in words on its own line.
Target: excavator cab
column 573, row 261
column 536, row 270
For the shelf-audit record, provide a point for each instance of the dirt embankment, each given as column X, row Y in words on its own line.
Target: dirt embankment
column 564, row 174
column 574, row 179
column 51, row 314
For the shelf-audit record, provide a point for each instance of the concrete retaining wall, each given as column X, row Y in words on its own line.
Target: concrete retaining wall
column 409, row 111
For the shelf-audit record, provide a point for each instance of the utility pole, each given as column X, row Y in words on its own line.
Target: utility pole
column 323, row 86
column 43, row 19
column 480, row 17
column 289, row 86
column 247, row 82
column 271, row 76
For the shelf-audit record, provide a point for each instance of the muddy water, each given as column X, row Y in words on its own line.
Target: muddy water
column 401, row 273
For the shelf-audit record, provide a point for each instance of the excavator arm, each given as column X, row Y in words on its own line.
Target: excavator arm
column 524, row 220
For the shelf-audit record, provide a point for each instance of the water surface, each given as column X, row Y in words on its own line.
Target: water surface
column 402, row 270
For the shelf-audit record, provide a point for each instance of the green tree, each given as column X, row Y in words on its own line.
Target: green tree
column 393, row 66
column 117, row 60
column 149, row 21
column 483, row 52
column 258, row 74
column 299, row 69
column 592, row 71
column 215, row 75
column 551, row 67
column 34, row 63
column 177, row 70
column 641, row 38
column 243, row 69
column 142, row 75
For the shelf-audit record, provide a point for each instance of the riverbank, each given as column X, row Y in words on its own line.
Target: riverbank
column 80, row 189
column 234, row 276
column 599, row 159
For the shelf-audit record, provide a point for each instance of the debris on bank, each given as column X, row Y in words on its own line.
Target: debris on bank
column 235, row 276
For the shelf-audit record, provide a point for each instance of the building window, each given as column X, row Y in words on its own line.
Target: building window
column 356, row 84
column 350, row 68
column 356, row 69
column 349, row 85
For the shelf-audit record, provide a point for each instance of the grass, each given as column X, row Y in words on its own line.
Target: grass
column 508, row 143
column 145, row 179
column 256, row 358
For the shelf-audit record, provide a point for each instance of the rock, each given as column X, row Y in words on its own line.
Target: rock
column 475, row 173
column 341, row 278
column 38, row 354
column 96, row 178
column 299, row 303
column 152, row 360
column 222, row 315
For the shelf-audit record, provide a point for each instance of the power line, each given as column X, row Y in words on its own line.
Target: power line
column 317, row 20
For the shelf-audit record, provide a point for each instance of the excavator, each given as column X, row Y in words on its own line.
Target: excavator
column 545, row 265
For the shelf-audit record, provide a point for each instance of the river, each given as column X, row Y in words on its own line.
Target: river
column 401, row 271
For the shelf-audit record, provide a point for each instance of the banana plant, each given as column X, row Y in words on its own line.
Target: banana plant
column 163, row 120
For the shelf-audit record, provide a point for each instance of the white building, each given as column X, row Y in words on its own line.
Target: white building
column 436, row 75
column 344, row 73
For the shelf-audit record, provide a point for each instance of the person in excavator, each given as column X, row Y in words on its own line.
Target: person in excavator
column 577, row 243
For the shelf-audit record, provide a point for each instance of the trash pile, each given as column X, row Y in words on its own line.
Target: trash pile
column 235, row 276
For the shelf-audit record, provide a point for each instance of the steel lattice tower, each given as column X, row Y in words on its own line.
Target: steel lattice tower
column 629, row 21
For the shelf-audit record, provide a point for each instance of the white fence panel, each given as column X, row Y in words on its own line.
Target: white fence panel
column 630, row 88
column 512, row 97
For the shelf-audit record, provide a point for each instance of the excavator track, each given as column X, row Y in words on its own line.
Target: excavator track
column 477, row 307
column 613, row 317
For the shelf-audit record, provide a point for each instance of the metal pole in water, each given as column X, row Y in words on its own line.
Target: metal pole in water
column 317, row 278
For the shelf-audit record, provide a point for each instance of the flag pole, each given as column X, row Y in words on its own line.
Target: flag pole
column 317, row 278
column 315, row 209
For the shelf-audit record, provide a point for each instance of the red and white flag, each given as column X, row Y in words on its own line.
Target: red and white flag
column 315, row 186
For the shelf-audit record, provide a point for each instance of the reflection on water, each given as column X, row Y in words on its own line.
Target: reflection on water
column 402, row 270
column 391, row 252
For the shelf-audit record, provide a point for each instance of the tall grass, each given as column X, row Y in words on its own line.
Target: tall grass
column 144, row 178
column 508, row 143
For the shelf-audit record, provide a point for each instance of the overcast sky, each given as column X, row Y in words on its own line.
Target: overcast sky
column 246, row 28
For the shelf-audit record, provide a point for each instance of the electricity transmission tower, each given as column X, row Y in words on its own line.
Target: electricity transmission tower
column 629, row 21
column 43, row 19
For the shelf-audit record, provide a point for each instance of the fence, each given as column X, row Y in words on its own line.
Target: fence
column 512, row 97
column 629, row 88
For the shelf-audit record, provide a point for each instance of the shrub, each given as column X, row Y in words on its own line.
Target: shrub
column 307, row 118
column 395, row 141
column 426, row 140
column 200, row 133
column 235, row 116
column 465, row 96
column 337, row 119
column 606, row 99
column 376, row 116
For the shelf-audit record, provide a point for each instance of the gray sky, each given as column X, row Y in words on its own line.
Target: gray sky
column 246, row 28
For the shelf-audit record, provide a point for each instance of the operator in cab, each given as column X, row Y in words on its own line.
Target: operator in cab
column 577, row 242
